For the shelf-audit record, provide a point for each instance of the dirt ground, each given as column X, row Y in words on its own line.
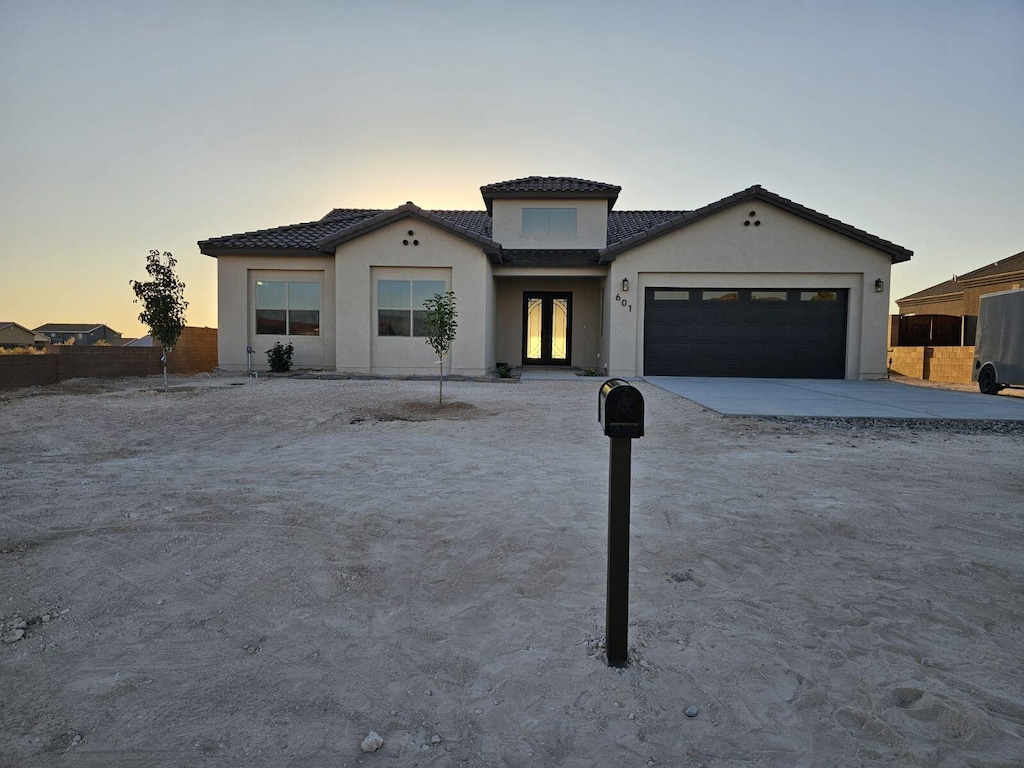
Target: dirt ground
column 260, row 574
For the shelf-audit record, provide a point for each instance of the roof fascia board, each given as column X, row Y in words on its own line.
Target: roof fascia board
column 936, row 298
column 250, row 251
column 509, row 270
column 554, row 195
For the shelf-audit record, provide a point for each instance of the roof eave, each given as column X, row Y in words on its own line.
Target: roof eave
column 489, row 198
column 931, row 298
column 214, row 251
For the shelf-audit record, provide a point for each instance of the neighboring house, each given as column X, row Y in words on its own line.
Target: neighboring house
column 83, row 333
column 145, row 341
column 16, row 335
column 946, row 314
column 550, row 274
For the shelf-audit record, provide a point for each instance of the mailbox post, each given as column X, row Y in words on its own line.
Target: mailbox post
column 620, row 411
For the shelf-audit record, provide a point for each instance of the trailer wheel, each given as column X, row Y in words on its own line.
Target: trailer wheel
column 987, row 381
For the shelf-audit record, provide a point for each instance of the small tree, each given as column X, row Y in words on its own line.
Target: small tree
column 163, row 302
column 441, row 326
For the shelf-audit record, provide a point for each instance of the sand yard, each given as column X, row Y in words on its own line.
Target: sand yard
column 259, row 574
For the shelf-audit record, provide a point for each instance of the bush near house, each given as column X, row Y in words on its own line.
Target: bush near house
column 280, row 357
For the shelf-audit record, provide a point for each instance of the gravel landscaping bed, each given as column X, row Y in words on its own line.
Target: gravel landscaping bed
column 241, row 572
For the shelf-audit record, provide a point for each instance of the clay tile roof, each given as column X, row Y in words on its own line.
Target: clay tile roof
column 626, row 229
column 477, row 222
column 549, row 187
column 465, row 224
column 626, row 224
column 549, row 184
column 292, row 237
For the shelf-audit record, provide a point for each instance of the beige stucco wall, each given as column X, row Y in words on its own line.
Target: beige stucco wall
column 953, row 307
column 591, row 224
column 586, row 316
column 439, row 253
column 785, row 251
column 12, row 334
column 236, row 317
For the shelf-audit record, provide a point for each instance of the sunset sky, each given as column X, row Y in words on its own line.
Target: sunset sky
column 132, row 125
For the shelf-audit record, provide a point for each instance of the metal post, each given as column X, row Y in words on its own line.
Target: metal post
column 616, row 627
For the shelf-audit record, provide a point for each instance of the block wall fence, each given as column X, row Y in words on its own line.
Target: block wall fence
column 950, row 365
column 196, row 352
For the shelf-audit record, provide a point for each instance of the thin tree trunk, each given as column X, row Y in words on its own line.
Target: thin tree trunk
column 440, row 385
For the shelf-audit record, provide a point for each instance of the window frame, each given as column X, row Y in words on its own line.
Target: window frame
column 287, row 307
column 546, row 232
column 411, row 309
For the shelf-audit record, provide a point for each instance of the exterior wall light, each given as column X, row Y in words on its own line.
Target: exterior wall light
column 625, row 285
column 879, row 285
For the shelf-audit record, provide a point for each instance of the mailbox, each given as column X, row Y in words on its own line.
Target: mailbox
column 620, row 409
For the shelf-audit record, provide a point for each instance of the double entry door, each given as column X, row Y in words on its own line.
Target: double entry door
column 547, row 328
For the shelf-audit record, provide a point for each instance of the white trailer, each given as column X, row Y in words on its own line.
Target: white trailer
column 999, row 344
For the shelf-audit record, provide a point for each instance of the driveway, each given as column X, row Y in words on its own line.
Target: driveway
column 838, row 399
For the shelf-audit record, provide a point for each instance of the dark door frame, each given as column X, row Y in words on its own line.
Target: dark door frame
column 547, row 312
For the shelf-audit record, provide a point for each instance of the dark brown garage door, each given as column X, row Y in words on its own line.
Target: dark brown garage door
column 745, row 332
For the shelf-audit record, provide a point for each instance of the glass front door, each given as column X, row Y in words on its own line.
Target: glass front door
column 547, row 328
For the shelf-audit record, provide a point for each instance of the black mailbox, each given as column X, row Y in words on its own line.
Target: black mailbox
column 620, row 409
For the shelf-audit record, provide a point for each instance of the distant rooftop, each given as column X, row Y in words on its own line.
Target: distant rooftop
column 71, row 327
column 955, row 286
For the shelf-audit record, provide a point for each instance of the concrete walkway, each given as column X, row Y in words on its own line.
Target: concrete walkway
column 553, row 374
column 826, row 398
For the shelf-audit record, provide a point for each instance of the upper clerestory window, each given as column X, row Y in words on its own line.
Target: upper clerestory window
column 549, row 222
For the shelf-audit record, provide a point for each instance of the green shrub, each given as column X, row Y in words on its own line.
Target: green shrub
column 280, row 357
column 590, row 371
column 504, row 371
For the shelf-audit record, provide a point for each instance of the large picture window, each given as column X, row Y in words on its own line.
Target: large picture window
column 549, row 222
column 400, row 309
column 287, row 308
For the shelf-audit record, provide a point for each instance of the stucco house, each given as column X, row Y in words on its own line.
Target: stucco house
column 946, row 314
column 16, row 335
column 84, row 334
column 551, row 274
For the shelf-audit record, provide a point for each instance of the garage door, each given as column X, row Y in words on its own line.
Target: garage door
column 745, row 332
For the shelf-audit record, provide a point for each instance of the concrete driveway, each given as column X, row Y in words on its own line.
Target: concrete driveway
column 838, row 399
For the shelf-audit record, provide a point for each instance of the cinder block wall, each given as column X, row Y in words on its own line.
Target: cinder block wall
column 105, row 362
column 61, row 363
column 195, row 352
column 951, row 365
column 28, row 370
